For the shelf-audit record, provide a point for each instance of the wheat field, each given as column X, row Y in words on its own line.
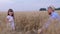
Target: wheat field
column 29, row 23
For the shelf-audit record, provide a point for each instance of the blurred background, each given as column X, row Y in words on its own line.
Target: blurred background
column 27, row 5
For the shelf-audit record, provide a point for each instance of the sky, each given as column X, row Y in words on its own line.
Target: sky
column 27, row 5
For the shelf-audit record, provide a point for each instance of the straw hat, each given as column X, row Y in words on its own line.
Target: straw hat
column 52, row 7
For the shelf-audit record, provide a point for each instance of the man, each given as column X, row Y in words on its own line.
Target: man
column 53, row 15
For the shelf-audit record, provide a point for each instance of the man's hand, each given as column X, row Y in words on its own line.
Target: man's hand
column 39, row 31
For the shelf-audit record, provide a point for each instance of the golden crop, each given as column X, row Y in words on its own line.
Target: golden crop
column 28, row 22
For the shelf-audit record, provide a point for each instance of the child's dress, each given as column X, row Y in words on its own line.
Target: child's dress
column 10, row 25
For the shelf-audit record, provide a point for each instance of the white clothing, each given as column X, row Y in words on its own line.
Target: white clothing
column 11, row 22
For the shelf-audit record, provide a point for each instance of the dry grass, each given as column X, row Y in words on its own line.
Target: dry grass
column 28, row 23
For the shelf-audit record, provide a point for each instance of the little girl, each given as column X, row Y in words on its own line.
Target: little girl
column 10, row 20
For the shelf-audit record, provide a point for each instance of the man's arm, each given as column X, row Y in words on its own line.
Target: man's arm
column 46, row 25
